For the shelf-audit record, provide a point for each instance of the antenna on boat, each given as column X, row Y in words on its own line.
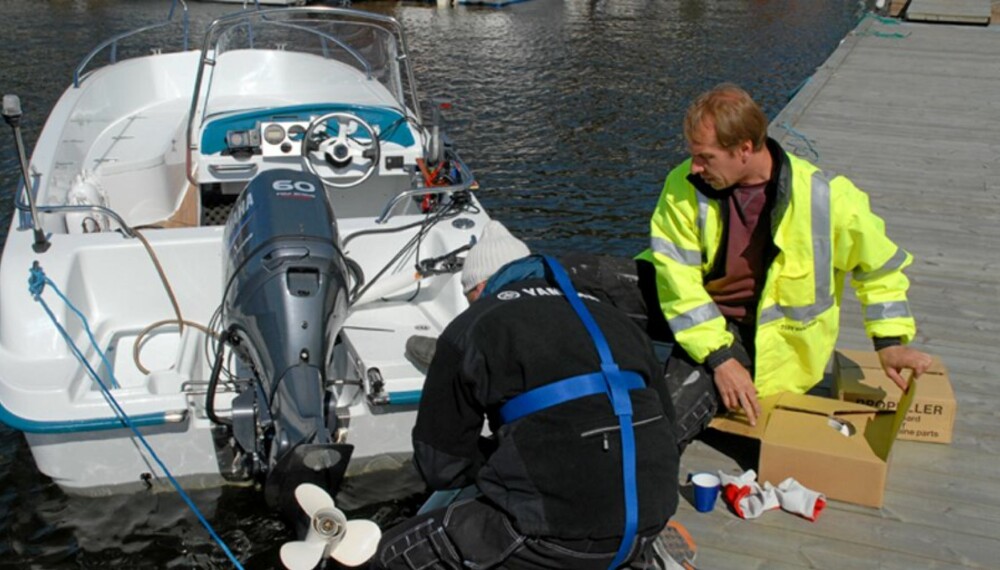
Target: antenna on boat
column 12, row 114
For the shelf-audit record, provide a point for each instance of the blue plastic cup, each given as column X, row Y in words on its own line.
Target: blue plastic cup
column 706, row 491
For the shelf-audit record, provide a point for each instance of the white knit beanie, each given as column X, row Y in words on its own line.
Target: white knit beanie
column 496, row 247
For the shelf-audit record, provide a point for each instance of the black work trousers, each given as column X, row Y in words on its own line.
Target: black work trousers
column 472, row 533
column 692, row 387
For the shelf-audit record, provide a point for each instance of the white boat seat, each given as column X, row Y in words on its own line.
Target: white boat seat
column 140, row 163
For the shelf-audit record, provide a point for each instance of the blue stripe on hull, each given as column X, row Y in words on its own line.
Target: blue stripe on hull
column 76, row 426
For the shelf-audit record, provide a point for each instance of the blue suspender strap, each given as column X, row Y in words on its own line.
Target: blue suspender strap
column 556, row 393
column 562, row 280
column 618, row 393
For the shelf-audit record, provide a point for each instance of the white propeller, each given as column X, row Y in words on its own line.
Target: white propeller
column 350, row 543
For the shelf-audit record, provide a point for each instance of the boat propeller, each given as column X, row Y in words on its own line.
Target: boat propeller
column 350, row 543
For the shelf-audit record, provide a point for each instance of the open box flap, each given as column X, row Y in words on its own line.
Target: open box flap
column 905, row 402
column 881, row 431
column 820, row 406
column 737, row 423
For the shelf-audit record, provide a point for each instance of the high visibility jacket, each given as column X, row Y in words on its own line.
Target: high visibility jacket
column 821, row 228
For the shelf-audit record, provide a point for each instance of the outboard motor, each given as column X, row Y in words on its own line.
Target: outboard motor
column 286, row 298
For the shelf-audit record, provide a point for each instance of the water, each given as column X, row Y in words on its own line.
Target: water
column 568, row 112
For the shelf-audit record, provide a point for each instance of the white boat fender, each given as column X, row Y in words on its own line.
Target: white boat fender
column 86, row 190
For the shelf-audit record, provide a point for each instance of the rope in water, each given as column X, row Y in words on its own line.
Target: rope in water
column 36, row 284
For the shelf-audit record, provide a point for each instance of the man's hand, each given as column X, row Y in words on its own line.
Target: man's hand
column 895, row 359
column 736, row 388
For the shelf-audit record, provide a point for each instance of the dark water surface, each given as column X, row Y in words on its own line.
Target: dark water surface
column 568, row 112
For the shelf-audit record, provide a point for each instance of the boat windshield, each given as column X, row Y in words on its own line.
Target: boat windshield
column 251, row 48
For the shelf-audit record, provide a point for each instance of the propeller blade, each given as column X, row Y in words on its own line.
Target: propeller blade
column 301, row 554
column 359, row 543
column 313, row 499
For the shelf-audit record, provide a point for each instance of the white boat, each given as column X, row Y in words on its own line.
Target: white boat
column 314, row 253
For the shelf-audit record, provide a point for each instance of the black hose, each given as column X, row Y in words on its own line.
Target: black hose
column 359, row 276
column 389, row 230
column 427, row 223
column 213, row 381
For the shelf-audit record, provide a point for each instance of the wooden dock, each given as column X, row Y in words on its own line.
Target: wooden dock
column 902, row 9
column 950, row 11
column 911, row 113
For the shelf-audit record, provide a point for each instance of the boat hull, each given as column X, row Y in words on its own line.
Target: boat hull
column 107, row 362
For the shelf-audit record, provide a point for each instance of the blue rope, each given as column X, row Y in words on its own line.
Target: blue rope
column 889, row 35
column 791, row 130
column 884, row 21
column 36, row 284
column 880, row 19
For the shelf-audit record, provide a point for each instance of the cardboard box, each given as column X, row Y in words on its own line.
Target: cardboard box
column 840, row 449
column 858, row 377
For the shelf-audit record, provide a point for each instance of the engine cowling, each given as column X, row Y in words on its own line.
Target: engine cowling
column 286, row 298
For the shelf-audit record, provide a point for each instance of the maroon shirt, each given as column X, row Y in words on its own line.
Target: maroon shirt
column 737, row 291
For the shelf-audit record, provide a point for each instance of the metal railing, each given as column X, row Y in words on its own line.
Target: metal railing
column 390, row 24
column 465, row 176
column 325, row 36
column 25, row 209
column 113, row 41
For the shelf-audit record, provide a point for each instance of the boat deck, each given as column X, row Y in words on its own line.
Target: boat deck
column 911, row 113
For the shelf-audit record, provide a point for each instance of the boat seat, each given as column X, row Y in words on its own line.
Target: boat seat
column 140, row 163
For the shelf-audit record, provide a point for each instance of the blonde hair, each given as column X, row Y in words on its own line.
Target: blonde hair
column 734, row 114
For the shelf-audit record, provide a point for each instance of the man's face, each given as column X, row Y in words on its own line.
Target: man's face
column 718, row 167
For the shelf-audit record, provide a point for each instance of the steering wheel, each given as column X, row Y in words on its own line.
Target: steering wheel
column 342, row 151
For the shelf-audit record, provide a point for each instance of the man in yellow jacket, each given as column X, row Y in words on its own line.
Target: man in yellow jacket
column 750, row 246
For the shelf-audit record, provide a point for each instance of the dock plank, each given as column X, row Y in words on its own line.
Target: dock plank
column 957, row 11
column 910, row 113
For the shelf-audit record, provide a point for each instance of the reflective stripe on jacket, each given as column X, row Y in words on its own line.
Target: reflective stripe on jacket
column 822, row 228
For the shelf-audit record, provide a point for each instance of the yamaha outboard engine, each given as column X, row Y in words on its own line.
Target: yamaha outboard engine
column 286, row 297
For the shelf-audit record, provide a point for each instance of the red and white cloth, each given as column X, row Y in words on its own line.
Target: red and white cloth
column 748, row 499
column 796, row 499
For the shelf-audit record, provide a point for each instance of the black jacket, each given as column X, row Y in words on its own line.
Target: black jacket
column 555, row 473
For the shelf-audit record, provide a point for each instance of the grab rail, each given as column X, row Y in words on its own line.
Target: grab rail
column 391, row 24
column 325, row 36
column 432, row 190
column 126, row 229
column 23, row 207
column 113, row 41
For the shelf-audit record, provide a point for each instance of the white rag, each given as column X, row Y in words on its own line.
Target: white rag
column 745, row 496
column 798, row 500
column 749, row 499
